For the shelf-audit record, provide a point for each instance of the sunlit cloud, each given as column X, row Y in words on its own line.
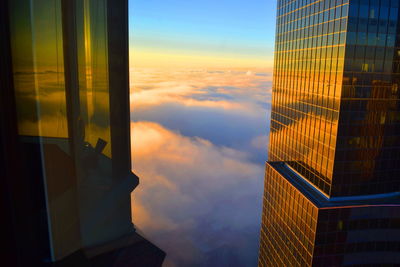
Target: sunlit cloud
column 225, row 89
column 176, row 93
column 200, row 161
column 229, row 107
column 188, row 186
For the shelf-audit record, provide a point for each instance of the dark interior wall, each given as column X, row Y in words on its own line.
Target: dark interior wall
column 23, row 229
column 118, row 59
column 7, row 133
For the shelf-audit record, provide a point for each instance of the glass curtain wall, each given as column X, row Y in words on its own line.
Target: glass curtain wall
column 62, row 88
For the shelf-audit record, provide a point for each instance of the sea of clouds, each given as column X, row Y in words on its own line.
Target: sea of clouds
column 199, row 143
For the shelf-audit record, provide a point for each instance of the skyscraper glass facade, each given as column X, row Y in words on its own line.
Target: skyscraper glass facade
column 308, row 71
column 289, row 223
column 367, row 153
column 332, row 180
column 301, row 227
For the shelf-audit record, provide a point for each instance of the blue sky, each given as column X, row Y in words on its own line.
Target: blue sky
column 243, row 29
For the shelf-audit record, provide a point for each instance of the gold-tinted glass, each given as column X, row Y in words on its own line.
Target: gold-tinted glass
column 335, row 121
column 69, row 123
column 40, row 93
column 308, row 71
column 37, row 53
column 289, row 223
column 93, row 71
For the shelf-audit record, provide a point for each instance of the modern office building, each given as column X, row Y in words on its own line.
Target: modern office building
column 332, row 182
column 65, row 136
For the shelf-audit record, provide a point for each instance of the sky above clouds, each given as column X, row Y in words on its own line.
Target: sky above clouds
column 208, row 33
column 201, row 78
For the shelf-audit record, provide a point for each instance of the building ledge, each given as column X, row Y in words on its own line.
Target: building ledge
column 322, row 201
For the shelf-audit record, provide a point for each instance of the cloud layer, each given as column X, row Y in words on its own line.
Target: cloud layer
column 226, row 107
column 199, row 147
column 236, row 90
column 195, row 198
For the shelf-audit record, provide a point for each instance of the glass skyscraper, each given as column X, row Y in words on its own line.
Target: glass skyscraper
column 331, row 195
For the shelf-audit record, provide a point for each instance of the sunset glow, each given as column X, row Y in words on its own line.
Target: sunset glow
column 200, row 80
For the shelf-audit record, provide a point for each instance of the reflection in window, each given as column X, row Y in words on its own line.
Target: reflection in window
column 93, row 71
column 39, row 68
column 60, row 53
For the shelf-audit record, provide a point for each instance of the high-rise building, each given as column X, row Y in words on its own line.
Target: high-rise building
column 332, row 182
column 65, row 136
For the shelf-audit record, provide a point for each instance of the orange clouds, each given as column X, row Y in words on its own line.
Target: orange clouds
column 185, row 182
column 192, row 88
column 201, row 183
